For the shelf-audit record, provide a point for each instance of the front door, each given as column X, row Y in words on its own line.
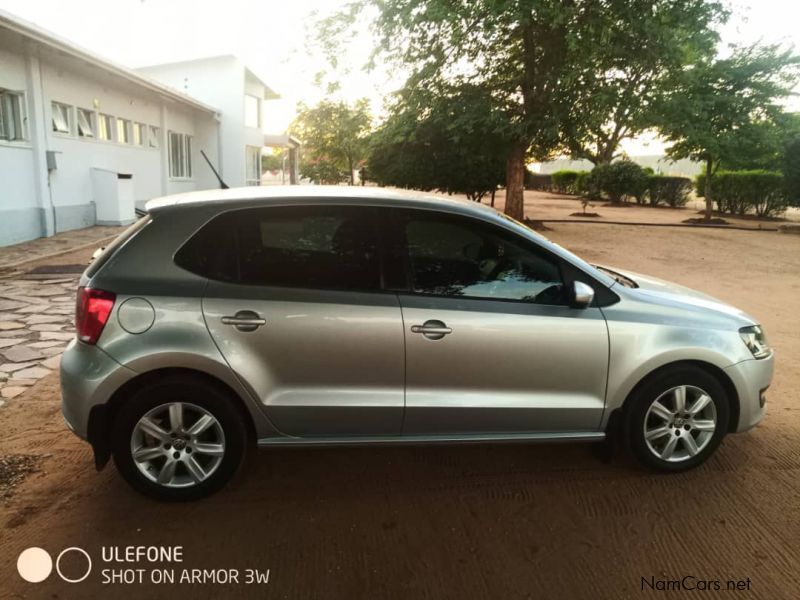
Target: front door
column 302, row 320
column 492, row 345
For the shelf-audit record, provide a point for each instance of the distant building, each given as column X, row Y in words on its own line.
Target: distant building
column 84, row 140
column 226, row 83
column 658, row 162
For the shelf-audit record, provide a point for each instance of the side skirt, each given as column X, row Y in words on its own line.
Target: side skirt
column 399, row 440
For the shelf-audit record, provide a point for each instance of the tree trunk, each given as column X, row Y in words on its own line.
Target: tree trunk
column 493, row 191
column 515, row 182
column 352, row 174
column 707, row 191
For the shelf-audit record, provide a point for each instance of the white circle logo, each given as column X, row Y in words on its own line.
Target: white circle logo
column 34, row 565
column 88, row 566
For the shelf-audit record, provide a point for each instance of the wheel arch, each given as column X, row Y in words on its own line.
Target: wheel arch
column 102, row 416
column 713, row 370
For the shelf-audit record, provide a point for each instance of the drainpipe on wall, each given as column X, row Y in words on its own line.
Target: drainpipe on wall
column 37, row 127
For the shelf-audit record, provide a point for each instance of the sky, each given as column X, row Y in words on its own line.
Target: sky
column 272, row 38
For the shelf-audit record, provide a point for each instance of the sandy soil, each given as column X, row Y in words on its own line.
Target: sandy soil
column 460, row 522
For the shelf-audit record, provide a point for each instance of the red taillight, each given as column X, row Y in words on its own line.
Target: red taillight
column 92, row 312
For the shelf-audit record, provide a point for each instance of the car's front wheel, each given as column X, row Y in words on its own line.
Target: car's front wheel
column 677, row 419
column 178, row 439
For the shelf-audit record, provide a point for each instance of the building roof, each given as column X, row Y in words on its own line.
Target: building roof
column 269, row 93
column 51, row 40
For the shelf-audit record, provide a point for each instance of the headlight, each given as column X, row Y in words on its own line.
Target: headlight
column 755, row 340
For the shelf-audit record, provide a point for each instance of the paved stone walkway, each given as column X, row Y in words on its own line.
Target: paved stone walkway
column 62, row 242
column 36, row 323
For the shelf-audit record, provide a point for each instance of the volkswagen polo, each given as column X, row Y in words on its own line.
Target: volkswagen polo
column 330, row 316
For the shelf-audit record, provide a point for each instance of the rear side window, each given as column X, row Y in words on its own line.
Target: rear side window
column 316, row 247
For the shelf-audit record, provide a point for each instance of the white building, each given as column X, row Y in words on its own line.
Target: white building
column 83, row 140
column 222, row 81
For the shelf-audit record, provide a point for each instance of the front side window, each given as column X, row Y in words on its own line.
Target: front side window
column 104, row 126
column 11, row 118
column 60, row 117
column 123, row 131
column 180, row 155
column 462, row 257
column 313, row 247
column 253, row 165
column 85, row 123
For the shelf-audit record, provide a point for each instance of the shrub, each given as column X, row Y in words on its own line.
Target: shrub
column 672, row 191
column 740, row 192
column 565, row 182
column 537, row 181
column 619, row 180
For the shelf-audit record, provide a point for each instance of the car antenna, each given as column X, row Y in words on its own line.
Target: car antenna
column 222, row 184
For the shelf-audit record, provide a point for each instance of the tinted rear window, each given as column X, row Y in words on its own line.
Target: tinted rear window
column 317, row 247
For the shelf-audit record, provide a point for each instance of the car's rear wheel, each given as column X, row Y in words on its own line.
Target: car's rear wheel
column 178, row 439
column 677, row 419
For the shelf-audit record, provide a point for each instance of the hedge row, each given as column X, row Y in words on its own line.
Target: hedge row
column 741, row 192
column 617, row 182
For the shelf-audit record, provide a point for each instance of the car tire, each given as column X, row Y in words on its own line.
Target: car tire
column 178, row 438
column 669, row 416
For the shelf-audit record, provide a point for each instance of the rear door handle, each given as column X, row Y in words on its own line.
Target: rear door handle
column 245, row 320
column 433, row 329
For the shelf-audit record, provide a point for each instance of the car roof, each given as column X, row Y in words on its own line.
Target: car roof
column 259, row 195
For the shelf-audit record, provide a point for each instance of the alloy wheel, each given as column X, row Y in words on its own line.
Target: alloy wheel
column 680, row 423
column 177, row 444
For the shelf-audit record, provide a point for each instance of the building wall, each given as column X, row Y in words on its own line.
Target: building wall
column 219, row 82
column 37, row 202
column 21, row 215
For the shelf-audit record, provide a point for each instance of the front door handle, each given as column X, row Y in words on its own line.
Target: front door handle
column 245, row 320
column 433, row 329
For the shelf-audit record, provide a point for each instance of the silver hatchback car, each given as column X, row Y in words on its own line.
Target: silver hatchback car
column 329, row 316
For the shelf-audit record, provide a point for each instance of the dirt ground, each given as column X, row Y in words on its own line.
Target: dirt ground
column 502, row 521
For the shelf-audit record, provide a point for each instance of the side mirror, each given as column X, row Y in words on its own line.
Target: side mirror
column 582, row 295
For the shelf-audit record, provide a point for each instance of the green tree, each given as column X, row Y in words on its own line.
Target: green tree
column 718, row 103
column 541, row 59
column 454, row 143
column 272, row 162
column 335, row 138
column 625, row 69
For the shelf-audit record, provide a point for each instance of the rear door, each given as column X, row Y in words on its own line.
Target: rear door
column 294, row 303
column 492, row 345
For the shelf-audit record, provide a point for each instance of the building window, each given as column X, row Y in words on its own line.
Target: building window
column 61, row 117
column 153, row 138
column 11, row 118
column 252, row 111
column 123, row 131
column 180, row 155
column 138, row 134
column 104, row 127
column 252, row 157
column 85, row 123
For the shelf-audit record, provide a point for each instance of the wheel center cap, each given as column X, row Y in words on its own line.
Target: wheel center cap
column 679, row 422
column 179, row 444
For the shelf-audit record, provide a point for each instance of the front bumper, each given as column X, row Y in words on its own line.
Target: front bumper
column 751, row 378
column 89, row 377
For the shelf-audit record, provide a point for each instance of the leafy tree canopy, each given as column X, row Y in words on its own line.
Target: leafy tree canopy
column 455, row 142
column 719, row 105
column 335, row 137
